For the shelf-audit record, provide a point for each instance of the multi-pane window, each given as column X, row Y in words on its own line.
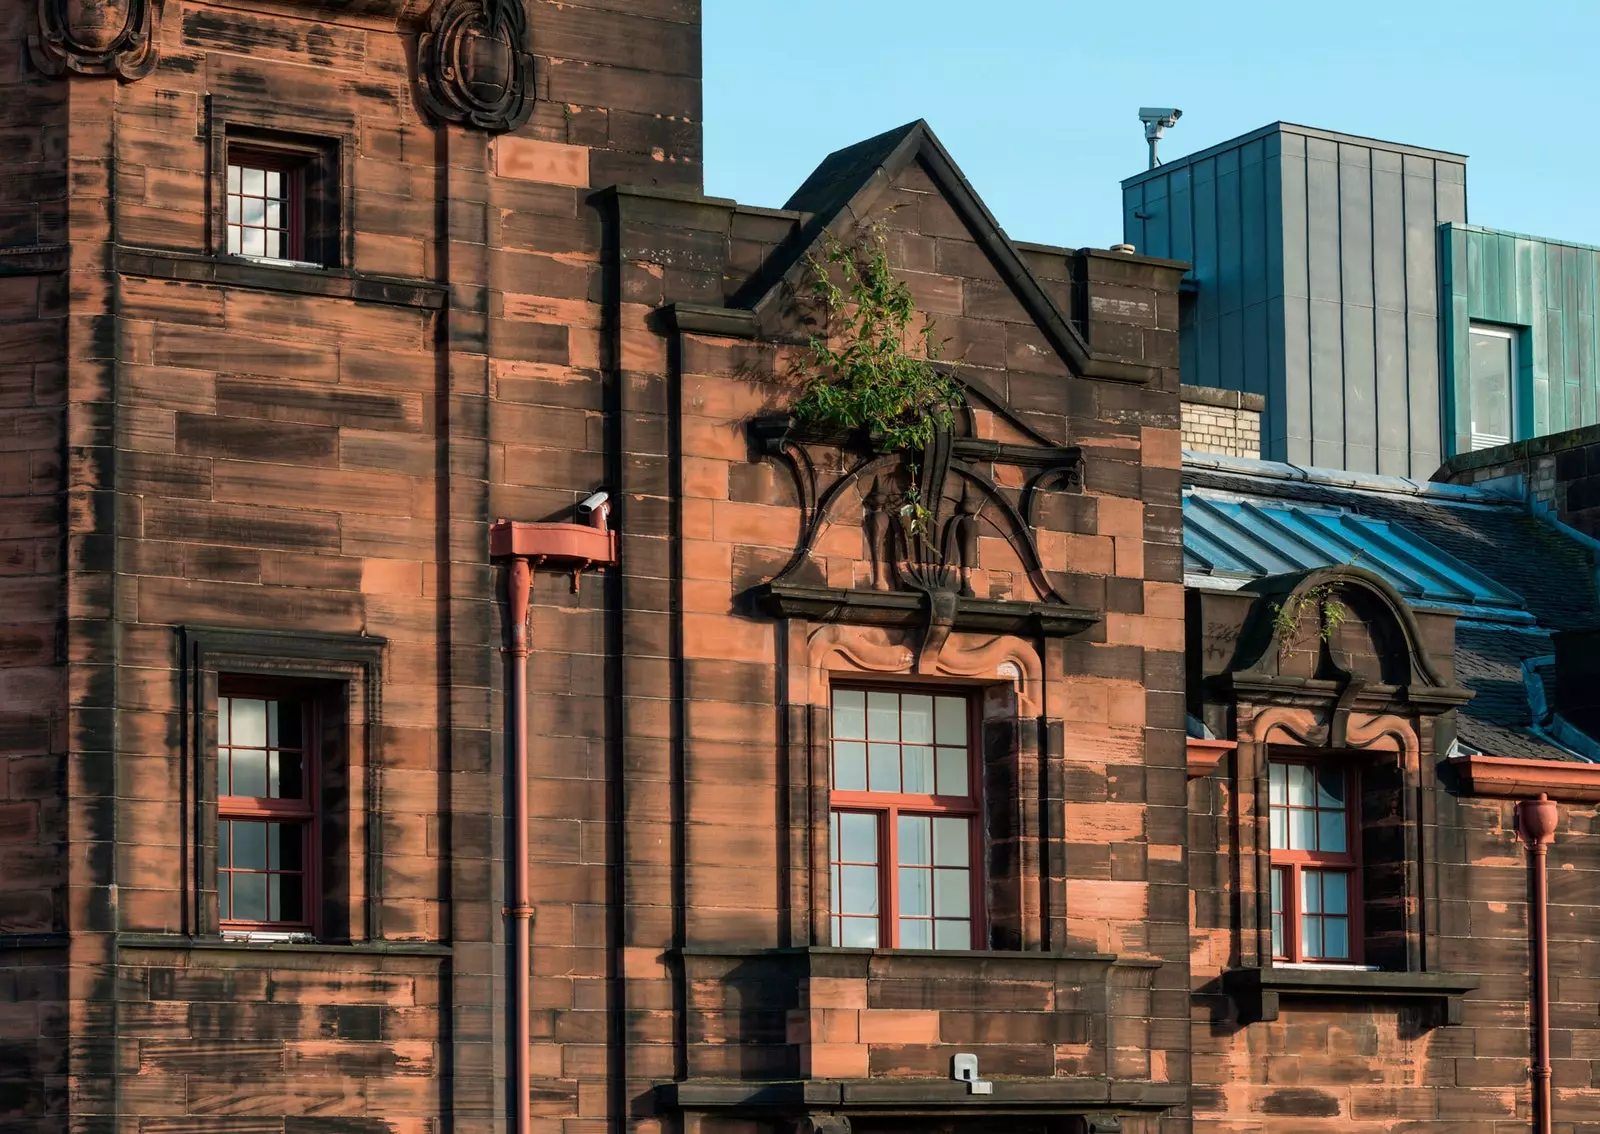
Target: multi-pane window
column 266, row 812
column 264, row 202
column 1491, row 381
column 904, row 827
column 1314, row 891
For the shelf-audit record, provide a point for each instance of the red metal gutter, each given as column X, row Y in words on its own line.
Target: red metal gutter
column 1536, row 823
column 1502, row 777
column 566, row 547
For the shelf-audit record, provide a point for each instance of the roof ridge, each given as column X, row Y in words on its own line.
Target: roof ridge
column 841, row 193
column 1248, row 468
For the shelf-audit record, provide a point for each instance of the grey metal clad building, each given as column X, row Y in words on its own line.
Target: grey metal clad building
column 1316, row 283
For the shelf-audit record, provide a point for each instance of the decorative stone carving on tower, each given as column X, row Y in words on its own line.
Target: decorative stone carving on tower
column 473, row 64
column 96, row 37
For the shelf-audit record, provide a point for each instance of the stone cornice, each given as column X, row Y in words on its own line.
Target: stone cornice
column 908, row 610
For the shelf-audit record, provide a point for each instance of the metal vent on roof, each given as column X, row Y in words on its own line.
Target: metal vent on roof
column 1232, row 540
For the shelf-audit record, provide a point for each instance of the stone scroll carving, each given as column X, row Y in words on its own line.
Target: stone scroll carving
column 474, row 68
column 96, row 37
column 921, row 519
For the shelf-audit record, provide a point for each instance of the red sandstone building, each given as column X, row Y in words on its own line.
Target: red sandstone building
column 366, row 772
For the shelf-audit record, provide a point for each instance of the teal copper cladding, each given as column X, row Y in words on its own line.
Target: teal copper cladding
column 1546, row 295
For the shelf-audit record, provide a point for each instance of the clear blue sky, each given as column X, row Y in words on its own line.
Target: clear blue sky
column 1037, row 99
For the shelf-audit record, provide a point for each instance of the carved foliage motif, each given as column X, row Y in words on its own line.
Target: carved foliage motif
column 474, row 66
column 922, row 515
column 96, row 37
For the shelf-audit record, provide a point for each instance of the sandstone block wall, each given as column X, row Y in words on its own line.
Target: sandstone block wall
column 1559, row 474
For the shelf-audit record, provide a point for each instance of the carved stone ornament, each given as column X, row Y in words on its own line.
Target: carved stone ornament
column 96, row 37
column 474, row 66
column 921, row 518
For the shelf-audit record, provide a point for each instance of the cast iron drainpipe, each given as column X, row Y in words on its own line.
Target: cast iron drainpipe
column 1536, row 823
column 518, row 582
column 574, row 548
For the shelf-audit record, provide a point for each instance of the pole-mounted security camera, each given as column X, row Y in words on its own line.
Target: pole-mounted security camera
column 1156, row 121
column 595, row 509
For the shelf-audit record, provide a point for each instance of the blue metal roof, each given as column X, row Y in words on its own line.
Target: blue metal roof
column 1232, row 539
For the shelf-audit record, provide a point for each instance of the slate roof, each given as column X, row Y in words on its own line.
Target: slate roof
column 1488, row 545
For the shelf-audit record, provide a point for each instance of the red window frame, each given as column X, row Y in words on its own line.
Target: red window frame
column 1294, row 864
column 290, row 165
column 303, row 811
column 888, row 807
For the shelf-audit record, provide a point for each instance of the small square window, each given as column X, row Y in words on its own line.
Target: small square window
column 278, row 197
column 266, row 204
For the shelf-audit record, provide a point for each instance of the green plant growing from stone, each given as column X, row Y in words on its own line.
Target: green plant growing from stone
column 865, row 375
column 1286, row 617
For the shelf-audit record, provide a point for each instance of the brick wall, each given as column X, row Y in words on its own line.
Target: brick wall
column 1225, row 422
column 1559, row 474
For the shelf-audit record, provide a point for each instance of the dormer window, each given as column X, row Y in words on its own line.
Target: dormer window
column 1315, row 890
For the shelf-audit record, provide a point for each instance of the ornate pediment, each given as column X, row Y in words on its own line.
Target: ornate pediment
column 948, row 538
column 1340, row 639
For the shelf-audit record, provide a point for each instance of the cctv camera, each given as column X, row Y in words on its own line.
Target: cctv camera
column 596, row 509
column 1156, row 119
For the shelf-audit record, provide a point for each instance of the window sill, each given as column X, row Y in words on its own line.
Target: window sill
column 269, row 936
column 346, row 948
column 968, row 954
column 1257, row 991
column 921, row 1095
column 290, row 276
column 1008, row 955
column 906, row 609
column 801, row 962
column 277, row 262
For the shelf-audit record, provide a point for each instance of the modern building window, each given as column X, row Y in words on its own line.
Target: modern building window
column 904, row 823
column 1316, row 890
column 266, row 204
column 1491, row 385
column 267, row 815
